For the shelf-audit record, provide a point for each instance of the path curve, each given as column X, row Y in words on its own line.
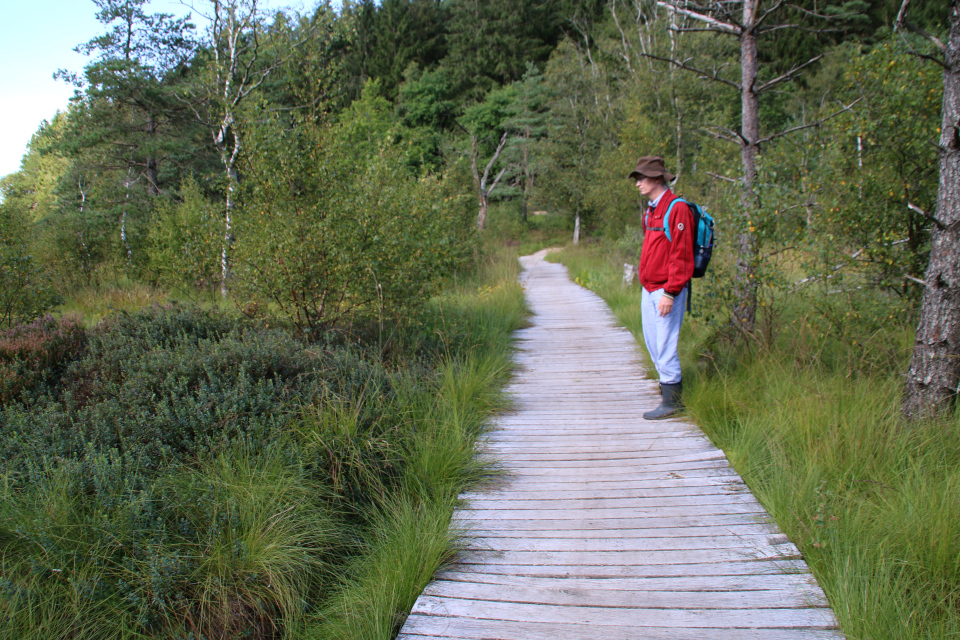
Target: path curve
column 607, row 526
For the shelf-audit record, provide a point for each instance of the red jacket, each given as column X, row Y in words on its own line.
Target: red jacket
column 667, row 264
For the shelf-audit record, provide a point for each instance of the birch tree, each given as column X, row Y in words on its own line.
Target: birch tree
column 483, row 123
column 238, row 65
column 934, row 377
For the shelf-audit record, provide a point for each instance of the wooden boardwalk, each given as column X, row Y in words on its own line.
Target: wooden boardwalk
column 607, row 526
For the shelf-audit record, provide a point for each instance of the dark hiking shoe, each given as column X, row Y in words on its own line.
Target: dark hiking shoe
column 669, row 405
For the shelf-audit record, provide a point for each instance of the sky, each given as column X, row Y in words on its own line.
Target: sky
column 37, row 37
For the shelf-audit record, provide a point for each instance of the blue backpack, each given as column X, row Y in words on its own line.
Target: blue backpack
column 702, row 238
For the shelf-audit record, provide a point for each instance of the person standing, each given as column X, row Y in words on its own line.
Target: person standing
column 666, row 266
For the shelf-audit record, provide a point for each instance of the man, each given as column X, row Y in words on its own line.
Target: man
column 666, row 266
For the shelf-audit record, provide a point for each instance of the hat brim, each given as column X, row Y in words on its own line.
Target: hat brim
column 636, row 175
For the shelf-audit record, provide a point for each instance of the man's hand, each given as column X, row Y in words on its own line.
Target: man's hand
column 664, row 306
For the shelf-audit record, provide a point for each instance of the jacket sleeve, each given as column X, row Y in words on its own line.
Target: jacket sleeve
column 680, row 264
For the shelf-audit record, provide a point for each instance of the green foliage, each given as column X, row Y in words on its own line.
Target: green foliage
column 899, row 163
column 156, row 386
column 489, row 43
column 329, row 232
column 577, row 133
column 391, row 35
column 186, row 241
column 25, row 290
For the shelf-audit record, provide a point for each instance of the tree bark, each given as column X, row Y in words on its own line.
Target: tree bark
column 152, row 188
column 482, row 215
column 123, row 220
column 932, row 382
column 745, row 285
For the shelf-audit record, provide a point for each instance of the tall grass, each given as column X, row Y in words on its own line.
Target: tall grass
column 231, row 548
column 811, row 421
column 408, row 534
column 96, row 301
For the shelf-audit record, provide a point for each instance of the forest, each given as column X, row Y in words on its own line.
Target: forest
column 264, row 264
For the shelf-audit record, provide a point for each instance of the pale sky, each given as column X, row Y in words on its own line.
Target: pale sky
column 37, row 37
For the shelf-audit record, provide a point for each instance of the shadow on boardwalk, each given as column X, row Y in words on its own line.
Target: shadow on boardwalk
column 609, row 526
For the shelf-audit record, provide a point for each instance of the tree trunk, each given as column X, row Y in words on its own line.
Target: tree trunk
column 227, row 232
column 745, row 285
column 576, row 230
column 932, row 383
column 152, row 188
column 482, row 216
column 525, row 188
column 123, row 221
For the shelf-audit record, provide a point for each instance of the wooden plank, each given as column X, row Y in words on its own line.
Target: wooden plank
column 584, row 596
column 801, row 582
column 730, row 503
column 704, row 570
column 559, row 460
column 654, row 512
column 632, row 482
column 645, row 558
column 603, row 616
column 505, row 531
column 427, row 626
column 761, row 543
column 549, row 491
column 588, row 521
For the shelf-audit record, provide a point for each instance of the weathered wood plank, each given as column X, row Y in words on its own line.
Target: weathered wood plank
column 704, row 570
column 588, row 521
column 552, row 492
column 584, row 596
column 702, row 531
column 731, row 502
column 645, row 558
column 616, row 616
column 424, row 626
column 802, row 582
column 764, row 544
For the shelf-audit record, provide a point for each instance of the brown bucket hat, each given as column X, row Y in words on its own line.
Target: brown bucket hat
column 651, row 167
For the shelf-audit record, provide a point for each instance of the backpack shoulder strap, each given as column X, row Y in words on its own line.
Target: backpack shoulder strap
column 666, row 216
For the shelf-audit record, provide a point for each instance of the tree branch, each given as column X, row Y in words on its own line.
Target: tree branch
column 788, row 75
column 822, row 16
column 766, row 13
column 716, row 25
column 496, row 154
column 932, row 218
column 683, row 65
column 719, row 177
column 901, row 22
column 731, row 135
column 807, row 126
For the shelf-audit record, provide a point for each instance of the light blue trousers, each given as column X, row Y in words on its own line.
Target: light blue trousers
column 661, row 334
